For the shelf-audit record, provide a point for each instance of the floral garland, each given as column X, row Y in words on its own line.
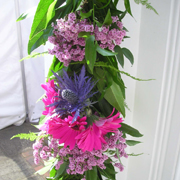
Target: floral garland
column 82, row 134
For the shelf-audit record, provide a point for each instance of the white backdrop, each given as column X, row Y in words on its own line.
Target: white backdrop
column 155, row 43
column 13, row 45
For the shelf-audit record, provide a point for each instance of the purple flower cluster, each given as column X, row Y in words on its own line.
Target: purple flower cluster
column 44, row 150
column 107, row 37
column 80, row 161
column 68, row 46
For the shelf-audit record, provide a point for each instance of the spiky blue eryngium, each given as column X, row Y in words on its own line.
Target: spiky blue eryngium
column 74, row 93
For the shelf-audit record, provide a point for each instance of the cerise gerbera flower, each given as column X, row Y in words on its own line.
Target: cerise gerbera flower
column 65, row 130
column 93, row 136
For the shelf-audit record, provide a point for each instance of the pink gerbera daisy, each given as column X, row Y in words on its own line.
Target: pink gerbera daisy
column 51, row 96
column 65, row 130
column 93, row 136
column 90, row 139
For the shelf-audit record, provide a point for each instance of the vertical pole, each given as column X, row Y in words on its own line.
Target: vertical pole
column 21, row 56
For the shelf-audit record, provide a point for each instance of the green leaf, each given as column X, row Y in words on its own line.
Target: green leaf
column 108, row 19
column 148, row 5
column 109, row 172
column 63, row 11
column 52, row 172
column 128, row 55
column 34, row 55
column 30, row 12
column 61, row 170
column 115, row 97
column 90, row 52
column 115, row 12
column 30, row 136
column 138, row 79
column 42, row 16
column 132, row 142
column 122, row 15
column 116, row 2
column 117, row 153
column 76, row 4
column 97, row 23
column 130, row 130
column 35, row 42
column 91, row 174
column 55, row 66
column 44, row 170
column 59, row 3
column 86, row 15
column 104, row 52
column 135, row 154
column 43, row 119
column 51, row 12
column 102, row 64
column 119, row 55
column 127, row 6
column 39, row 39
column 48, row 165
column 84, row 34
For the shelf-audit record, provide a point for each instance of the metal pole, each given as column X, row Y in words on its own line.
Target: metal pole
column 21, row 56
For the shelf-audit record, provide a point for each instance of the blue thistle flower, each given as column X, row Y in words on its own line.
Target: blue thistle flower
column 74, row 93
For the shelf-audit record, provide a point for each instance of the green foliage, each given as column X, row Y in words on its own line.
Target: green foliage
column 84, row 34
column 55, row 67
column 145, row 3
column 47, row 167
column 115, row 97
column 108, row 19
column 52, row 172
column 61, row 170
column 130, row 130
column 132, row 142
column 39, row 39
column 104, row 52
column 43, row 119
column 127, row 6
column 109, row 172
column 91, row 174
column 138, row 79
column 135, row 154
column 119, row 55
column 116, row 2
column 43, row 14
column 117, row 153
column 34, row 55
column 128, row 55
column 102, row 64
column 86, row 15
column 90, row 52
column 30, row 12
column 30, row 136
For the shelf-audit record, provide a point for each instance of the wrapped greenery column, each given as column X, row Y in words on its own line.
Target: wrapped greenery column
column 84, row 92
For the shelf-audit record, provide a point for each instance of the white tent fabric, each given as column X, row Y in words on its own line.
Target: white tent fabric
column 13, row 45
column 12, row 107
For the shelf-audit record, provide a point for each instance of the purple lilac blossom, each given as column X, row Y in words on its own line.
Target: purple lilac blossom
column 80, row 161
column 68, row 46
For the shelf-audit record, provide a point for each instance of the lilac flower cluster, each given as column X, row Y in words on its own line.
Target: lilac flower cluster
column 80, row 161
column 68, row 46
column 107, row 37
column 44, row 150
